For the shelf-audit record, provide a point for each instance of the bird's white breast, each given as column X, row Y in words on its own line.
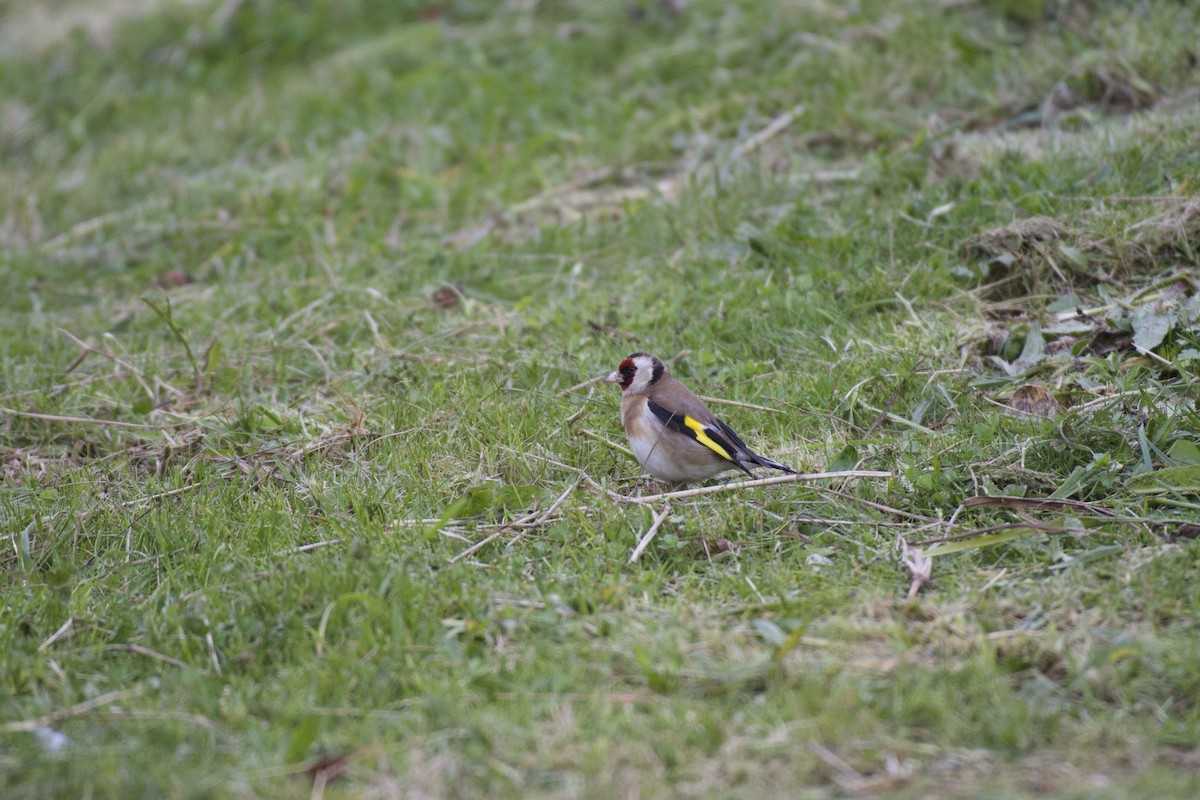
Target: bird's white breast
column 665, row 459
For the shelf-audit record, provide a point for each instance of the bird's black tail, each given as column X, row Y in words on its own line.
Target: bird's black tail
column 751, row 459
column 763, row 461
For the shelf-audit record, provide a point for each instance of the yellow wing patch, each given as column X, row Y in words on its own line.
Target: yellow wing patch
column 703, row 438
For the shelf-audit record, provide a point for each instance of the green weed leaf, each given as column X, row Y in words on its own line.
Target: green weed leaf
column 1184, row 479
column 1034, row 349
column 301, row 738
column 844, row 460
column 1150, row 327
column 1184, row 452
column 978, row 542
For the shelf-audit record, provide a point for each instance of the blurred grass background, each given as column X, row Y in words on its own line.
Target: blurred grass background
column 297, row 296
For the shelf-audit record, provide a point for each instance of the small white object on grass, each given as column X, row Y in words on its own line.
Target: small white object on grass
column 52, row 741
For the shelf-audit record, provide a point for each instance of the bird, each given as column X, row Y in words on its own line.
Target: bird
column 673, row 434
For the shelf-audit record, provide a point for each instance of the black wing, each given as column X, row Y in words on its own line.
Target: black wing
column 712, row 437
column 720, row 438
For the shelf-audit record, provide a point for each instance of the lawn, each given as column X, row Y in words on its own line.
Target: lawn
column 309, row 487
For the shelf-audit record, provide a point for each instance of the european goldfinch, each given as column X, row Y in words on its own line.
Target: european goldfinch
column 671, row 431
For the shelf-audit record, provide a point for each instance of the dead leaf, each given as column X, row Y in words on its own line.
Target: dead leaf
column 1185, row 531
column 1106, row 340
column 327, row 769
column 611, row 330
column 1007, row 501
column 173, row 278
column 1034, row 401
column 448, row 297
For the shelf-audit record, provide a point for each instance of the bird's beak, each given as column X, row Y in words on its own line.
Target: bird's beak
column 613, row 377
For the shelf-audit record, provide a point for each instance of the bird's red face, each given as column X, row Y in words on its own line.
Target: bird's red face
column 637, row 373
column 626, row 370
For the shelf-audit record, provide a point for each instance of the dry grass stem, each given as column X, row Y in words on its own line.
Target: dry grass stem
column 112, row 423
column 609, row 442
column 120, row 362
column 304, row 548
column 143, row 502
column 739, row 404
column 880, row 506
column 532, row 519
column 1028, row 523
column 656, row 521
column 146, row 651
column 773, row 129
column 63, row 630
column 1005, row 501
column 583, row 385
column 77, row 710
column 732, row 487
column 848, row 774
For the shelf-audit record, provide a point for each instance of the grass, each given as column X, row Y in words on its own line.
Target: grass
column 297, row 296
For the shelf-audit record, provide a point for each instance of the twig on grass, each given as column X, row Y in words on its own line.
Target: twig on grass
column 84, row 352
column 326, row 441
column 612, row 331
column 730, row 487
column 145, row 501
column 1100, row 402
column 899, row 420
column 1029, row 523
column 575, row 197
column 849, row 775
column 146, row 651
column 879, row 506
column 58, row 634
column 774, row 128
column 295, row 315
column 992, row 581
column 212, row 647
column 468, row 236
column 77, row 710
column 583, row 385
column 807, row 520
column 176, row 716
column 656, row 520
column 120, row 362
column 114, row 423
column 1016, row 504
column 304, row 548
column 737, row 403
column 581, row 473
column 167, row 315
column 530, row 520
column 90, row 226
column 598, row 438
column 887, row 406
